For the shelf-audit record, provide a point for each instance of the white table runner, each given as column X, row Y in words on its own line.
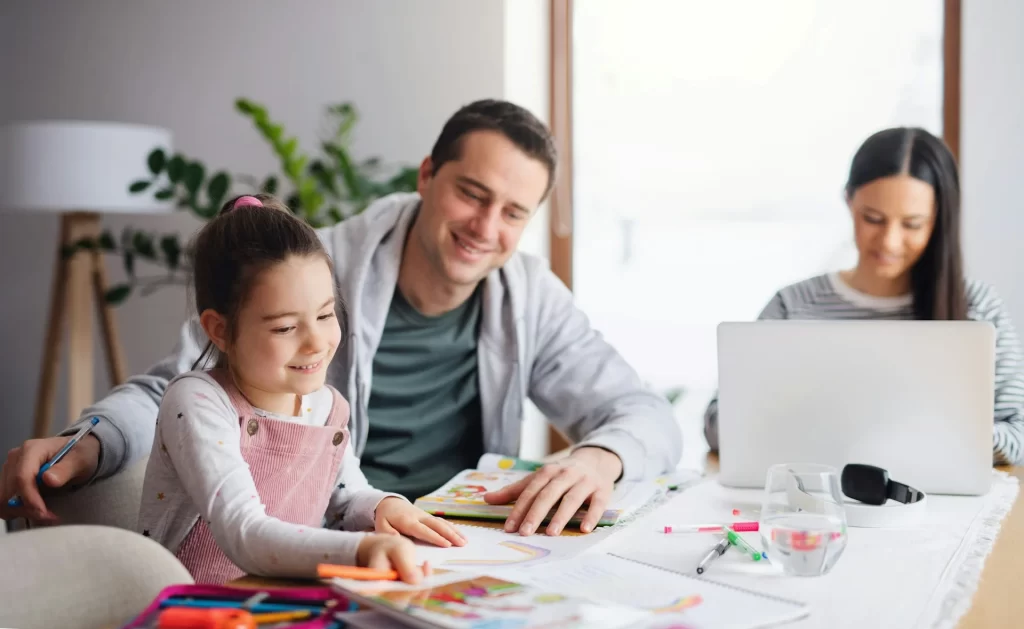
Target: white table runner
column 922, row 577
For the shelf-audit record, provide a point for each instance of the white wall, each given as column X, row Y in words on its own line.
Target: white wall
column 992, row 146
column 406, row 64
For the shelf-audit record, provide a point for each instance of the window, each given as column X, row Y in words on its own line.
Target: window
column 711, row 142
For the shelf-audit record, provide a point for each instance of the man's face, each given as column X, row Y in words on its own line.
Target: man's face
column 475, row 208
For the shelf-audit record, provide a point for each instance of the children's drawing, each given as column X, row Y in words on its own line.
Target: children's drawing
column 679, row 605
column 529, row 552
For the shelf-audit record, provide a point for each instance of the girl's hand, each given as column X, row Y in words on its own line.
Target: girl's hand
column 398, row 516
column 391, row 552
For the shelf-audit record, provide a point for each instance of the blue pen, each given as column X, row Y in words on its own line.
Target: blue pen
column 82, row 432
column 257, row 608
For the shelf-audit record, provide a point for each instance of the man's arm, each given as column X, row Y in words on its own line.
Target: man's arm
column 129, row 411
column 592, row 394
column 124, row 435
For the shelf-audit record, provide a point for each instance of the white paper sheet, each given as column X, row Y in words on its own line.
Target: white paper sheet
column 676, row 599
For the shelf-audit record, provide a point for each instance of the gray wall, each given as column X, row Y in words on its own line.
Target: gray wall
column 992, row 146
column 406, row 64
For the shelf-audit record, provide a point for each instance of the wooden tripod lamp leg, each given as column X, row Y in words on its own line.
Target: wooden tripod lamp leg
column 74, row 283
column 51, row 345
column 111, row 343
column 79, row 298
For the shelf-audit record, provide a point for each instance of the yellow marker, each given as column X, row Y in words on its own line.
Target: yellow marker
column 262, row 619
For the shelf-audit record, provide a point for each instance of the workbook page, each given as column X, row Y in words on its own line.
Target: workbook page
column 677, row 600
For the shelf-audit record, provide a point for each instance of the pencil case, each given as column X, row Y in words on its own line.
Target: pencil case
column 328, row 600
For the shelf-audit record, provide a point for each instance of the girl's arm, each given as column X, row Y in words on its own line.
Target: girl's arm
column 354, row 502
column 200, row 431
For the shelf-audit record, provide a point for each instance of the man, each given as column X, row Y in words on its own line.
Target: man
column 451, row 331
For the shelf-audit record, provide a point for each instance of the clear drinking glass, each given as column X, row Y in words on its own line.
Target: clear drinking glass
column 803, row 523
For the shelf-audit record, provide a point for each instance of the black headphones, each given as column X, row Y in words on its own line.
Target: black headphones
column 871, row 485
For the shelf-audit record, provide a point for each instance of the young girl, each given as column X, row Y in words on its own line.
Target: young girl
column 903, row 193
column 250, row 457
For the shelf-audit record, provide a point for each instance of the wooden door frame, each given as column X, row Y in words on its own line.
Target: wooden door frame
column 560, row 215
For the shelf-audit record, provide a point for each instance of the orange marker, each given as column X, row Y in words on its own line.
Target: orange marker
column 327, row 571
column 193, row 618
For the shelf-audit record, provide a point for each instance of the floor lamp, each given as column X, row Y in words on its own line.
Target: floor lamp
column 77, row 170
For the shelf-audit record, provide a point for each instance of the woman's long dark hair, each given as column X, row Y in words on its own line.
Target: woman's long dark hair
column 937, row 279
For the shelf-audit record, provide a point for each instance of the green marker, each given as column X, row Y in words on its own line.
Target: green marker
column 739, row 542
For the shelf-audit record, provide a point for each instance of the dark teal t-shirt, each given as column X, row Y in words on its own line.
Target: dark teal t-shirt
column 424, row 411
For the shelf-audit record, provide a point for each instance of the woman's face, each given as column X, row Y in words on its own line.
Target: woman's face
column 893, row 218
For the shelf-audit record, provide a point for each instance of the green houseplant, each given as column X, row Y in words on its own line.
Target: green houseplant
column 323, row 190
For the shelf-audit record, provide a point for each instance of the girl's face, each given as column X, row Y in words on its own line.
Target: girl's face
column 893, row 218
column 286, row 334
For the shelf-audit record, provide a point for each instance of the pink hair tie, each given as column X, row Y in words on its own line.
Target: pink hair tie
column 246, row 200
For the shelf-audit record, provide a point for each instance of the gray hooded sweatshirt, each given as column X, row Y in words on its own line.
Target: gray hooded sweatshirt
column 534, row 343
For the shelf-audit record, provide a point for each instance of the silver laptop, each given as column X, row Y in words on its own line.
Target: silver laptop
column 913, row 397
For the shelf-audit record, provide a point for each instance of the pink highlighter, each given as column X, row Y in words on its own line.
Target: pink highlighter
column 739, row 527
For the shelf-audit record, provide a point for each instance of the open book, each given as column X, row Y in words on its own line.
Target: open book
column 454, row 600
column 463, row 495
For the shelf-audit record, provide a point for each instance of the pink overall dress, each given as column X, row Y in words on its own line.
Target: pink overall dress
column 294, row 467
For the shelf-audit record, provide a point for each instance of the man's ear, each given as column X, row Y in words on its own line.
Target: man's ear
column 426, row 173
column 216, row 328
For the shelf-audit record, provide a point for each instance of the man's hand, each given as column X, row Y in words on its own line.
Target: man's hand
column 18, row 477
column 395, row 515
column 586, row 476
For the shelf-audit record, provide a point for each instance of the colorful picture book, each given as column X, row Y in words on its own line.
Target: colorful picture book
column 463, row 495
column 453, row 600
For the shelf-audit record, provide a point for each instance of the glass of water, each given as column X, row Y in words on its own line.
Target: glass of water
column 803, row 523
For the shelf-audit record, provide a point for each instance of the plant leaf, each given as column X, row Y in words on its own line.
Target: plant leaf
column 675, row 394
column 335, row 214
column 129, row 263
column 143, row 245
column 193, row 177
column 171, row 250
column 117, row 294
column 270, row 185
column 106, row 241
column 176, row 168
column 244, row 106
column 138, row 186
column 324, row 176
column 404, row 181
column 165, row 194
column 156, row 161
column 348, row 172
column 217, row 188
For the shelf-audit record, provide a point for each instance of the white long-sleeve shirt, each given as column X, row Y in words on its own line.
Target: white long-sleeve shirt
column 196, row 470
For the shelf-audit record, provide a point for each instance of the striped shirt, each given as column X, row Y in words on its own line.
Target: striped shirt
column 829, row 297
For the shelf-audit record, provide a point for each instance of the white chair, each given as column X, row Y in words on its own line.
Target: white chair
column 81, row 576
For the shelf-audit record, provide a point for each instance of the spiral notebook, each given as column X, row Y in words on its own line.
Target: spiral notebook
column 463, row 495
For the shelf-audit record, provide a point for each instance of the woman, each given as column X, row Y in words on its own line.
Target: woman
column 904, row 197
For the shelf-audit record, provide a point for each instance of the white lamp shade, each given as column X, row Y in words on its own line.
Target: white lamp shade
column 61, row 166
